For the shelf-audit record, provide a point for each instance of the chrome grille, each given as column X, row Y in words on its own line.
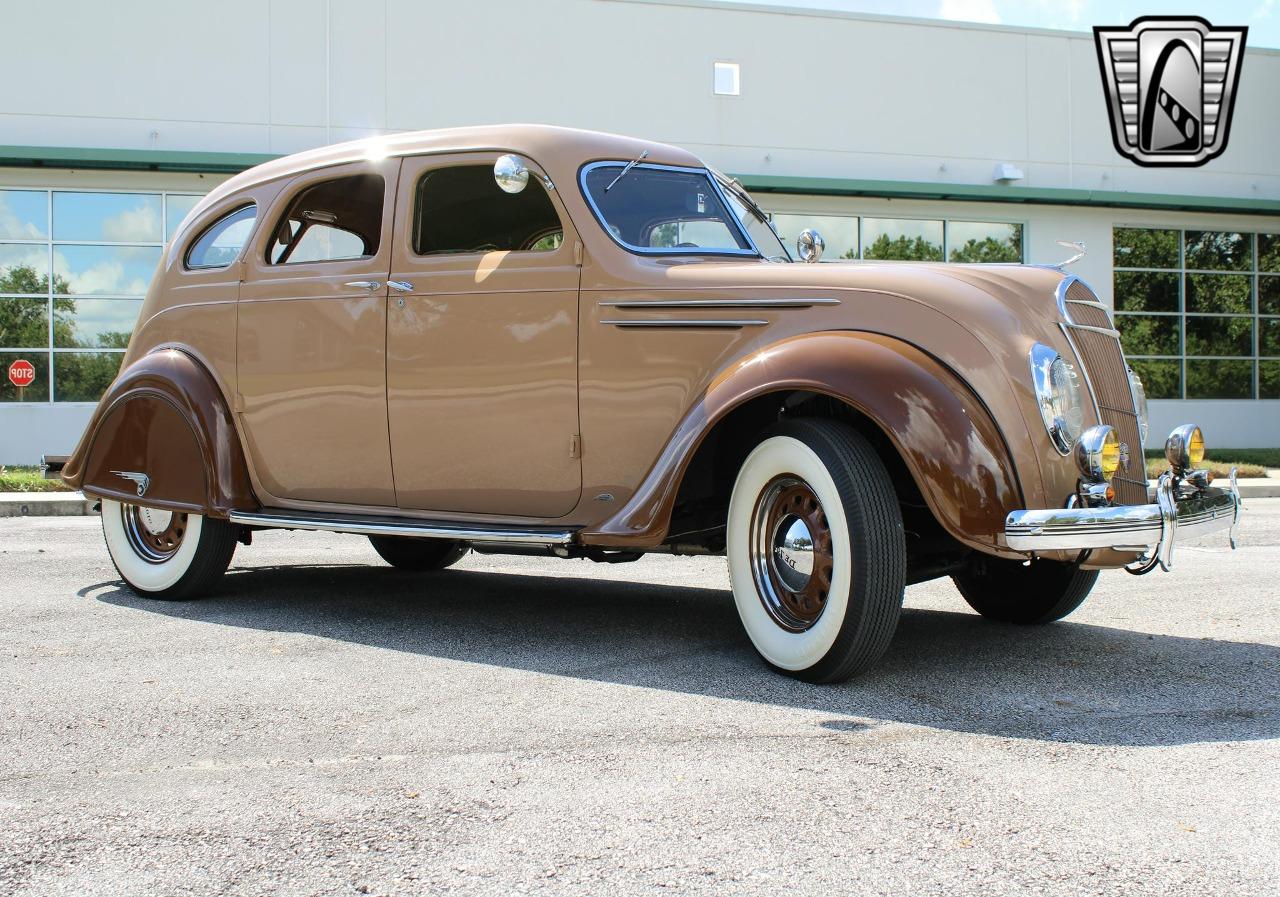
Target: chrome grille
column 1097, row 346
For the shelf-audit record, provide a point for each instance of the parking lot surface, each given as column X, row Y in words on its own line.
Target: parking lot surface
column 328, row 725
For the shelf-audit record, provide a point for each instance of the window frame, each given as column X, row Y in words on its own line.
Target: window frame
column 49, row 245
column 415, row 217
column 191, row 244
column 732, row 224
column 285, row 203
column 946, row 220
column 1254, row 273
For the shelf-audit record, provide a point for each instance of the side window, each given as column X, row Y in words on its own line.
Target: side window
column 463, row 210
column 222, row 241
column 331, row 221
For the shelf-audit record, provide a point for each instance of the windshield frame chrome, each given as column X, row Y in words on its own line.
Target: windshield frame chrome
column 753, row 252
column 733, row 186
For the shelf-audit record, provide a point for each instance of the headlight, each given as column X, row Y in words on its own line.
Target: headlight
column 1184, row 448
column 1058, row 395
column 1098, row 454
column 1140, row 403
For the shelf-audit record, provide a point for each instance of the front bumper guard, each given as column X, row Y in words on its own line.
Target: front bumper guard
column 1181, row 510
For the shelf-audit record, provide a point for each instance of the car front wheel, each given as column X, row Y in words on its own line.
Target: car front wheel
column 1017, row 592
column 817, row 554
column 406, row 553
column 166, row 554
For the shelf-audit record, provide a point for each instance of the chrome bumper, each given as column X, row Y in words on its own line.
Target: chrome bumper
column 1180, row 511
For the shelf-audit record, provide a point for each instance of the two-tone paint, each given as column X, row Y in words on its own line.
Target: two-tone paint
column 565, row 389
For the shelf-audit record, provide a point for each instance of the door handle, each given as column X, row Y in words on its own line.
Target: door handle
column 402, row 286
column 369, row 285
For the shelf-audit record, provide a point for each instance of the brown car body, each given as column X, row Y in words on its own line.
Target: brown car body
column 590, row 389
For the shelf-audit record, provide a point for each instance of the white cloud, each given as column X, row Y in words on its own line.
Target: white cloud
column 969, row 11
column 123, row 271
column 141, row 224
column 1264, row 9
column 15, row 228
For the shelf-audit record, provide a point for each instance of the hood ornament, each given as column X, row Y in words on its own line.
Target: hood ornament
column 141, row 480
column 1078, row 246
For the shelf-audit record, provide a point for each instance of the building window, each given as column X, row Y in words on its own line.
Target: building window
column 1199, row 311
column 74, row 267
column 850, row 237
column 726, row 79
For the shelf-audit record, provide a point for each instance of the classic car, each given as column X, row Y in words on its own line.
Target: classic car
column 536, row 339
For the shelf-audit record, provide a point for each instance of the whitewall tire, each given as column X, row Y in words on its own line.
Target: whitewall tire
column 164, row 554
column 817, row 554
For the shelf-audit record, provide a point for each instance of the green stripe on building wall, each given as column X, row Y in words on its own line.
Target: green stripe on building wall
column 1054, row 196
column 129, row 160
column 230, row 163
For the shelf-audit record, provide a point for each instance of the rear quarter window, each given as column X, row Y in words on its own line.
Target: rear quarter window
column 221, row 242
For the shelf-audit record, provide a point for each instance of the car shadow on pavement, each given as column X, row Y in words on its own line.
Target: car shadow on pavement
column 1068, row 682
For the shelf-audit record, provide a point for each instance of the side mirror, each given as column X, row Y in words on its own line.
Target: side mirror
column 511, row 173
column 809, row 245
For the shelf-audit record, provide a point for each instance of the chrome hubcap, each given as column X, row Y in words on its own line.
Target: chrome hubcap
column 791, row 554
column 153, row 534
column 154, row 520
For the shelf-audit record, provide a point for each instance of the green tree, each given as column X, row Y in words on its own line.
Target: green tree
column 82, row 377
column 1137, row 247
column 85, row 376
column 904, row 248
column 25, row 322
column 988, row 249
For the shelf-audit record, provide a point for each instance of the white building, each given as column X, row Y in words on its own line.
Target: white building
column 865, row 126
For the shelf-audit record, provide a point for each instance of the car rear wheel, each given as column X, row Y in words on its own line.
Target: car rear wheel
column 418, row 554
column 1015, row 592
column 166, row 554
column 817, row 554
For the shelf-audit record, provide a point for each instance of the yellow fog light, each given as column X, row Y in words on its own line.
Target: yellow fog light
column 1184, row 448
column 1098, row 454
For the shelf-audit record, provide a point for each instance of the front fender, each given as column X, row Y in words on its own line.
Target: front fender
column 164, row 418
column 944, row 434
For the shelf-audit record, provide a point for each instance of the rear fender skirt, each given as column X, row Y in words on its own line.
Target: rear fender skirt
column 163, row 436
column 944, row 434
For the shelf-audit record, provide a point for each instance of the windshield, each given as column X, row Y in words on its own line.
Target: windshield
column 754, row 220
column 665, row 210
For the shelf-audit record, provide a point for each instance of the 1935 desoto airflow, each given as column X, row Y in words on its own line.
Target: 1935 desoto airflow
column 526, row 338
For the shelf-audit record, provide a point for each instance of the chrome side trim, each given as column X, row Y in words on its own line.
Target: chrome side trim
column 687, row 323
column 424, row 529
column 1125, row 527
column 715, row 303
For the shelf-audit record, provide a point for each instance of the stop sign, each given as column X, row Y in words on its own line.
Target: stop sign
column 22, row 373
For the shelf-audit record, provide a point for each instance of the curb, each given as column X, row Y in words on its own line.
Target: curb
column 46, row 504
column 1259, row 488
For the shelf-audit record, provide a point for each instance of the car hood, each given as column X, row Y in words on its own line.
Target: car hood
column 993, row 301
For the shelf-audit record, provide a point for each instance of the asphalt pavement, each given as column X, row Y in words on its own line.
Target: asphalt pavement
column 328, row 725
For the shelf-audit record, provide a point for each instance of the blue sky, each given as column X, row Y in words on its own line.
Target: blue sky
column 1261, row 16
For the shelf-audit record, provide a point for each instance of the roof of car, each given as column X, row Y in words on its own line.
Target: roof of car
column 560, row 151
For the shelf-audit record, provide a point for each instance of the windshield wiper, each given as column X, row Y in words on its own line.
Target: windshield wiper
column 735, row 187
column 630, row 165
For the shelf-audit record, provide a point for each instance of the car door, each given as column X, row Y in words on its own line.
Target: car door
column 311, row 339
column 482, row 389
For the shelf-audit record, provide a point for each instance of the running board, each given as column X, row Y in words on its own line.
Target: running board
column 275, row 518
